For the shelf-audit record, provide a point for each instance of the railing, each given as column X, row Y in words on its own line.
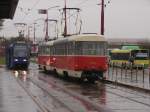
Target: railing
column 129, row 73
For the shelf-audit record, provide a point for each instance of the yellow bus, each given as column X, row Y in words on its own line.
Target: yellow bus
column 138, row 57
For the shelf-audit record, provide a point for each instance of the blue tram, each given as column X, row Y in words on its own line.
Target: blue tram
column 18, row 55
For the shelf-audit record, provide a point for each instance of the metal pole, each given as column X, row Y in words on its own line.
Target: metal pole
column 28, row 33
column 149, row 64
column 149, row 74
column 102, row 17
column 125, row 70
column 136, row 73
column 143, row 73
column 112, row 70
column 46, row 35
column 34, row 33
column 116, row 72
column 121, row 69
column 108, row 69
column 65, row 29
column 131, row 71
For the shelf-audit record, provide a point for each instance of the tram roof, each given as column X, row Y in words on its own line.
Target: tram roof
column 84, row 37
column 87, row 37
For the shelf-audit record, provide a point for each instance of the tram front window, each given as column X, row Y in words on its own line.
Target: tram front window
column 91, row 48
column 20, row 51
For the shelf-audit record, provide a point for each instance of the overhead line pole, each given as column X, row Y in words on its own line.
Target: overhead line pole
column 65, row 33
column 46, row 35
column 34, row 33
column 102, row 17
column 65, row 29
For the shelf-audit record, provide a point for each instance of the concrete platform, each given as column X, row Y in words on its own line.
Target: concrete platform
column 12, row 97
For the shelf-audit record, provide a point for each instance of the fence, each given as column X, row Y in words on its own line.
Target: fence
column 129, row 73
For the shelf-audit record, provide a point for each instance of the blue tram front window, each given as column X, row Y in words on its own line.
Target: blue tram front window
column 20, row 51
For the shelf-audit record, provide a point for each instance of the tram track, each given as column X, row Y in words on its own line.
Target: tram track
column 134, row 92
column 89, row 105
column 34, row 98
column 93, row 93
column 129, row 98
column 129, row 92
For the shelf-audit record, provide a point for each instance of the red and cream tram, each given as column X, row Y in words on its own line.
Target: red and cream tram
column 82, row 56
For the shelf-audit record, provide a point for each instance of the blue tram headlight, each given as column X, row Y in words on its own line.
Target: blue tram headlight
column 15, row 59
column 24, row 59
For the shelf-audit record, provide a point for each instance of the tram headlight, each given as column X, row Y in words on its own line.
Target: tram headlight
column 24, row 60
column 15, row 59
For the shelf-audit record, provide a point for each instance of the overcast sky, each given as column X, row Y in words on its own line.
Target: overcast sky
column 123, row 18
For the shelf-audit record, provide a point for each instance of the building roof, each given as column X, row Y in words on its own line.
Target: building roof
column 7, row 8
column 130, row 47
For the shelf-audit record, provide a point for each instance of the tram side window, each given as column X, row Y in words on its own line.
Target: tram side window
column 51, row 50
column 59, row 49
column 63, row 49
column 78, row 48
column 56, row 50
column 105, row 45
column 47, row 50
column 70, row 48
column 89, row 48
column 43, row 49
column 39, row 52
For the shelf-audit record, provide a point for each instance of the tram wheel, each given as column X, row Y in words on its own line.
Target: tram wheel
column 91, row 80
column 83, row 77
column 55, row 73
column 65, row 75
column 39, row 67
column 45, row 70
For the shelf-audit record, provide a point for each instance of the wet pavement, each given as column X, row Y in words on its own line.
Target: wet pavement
column 115, row 98
column 12, row 96
column 20, row 94
column 59, row 95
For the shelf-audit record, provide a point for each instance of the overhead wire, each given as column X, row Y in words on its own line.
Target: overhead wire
column 83, row 2
column 30, row 11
